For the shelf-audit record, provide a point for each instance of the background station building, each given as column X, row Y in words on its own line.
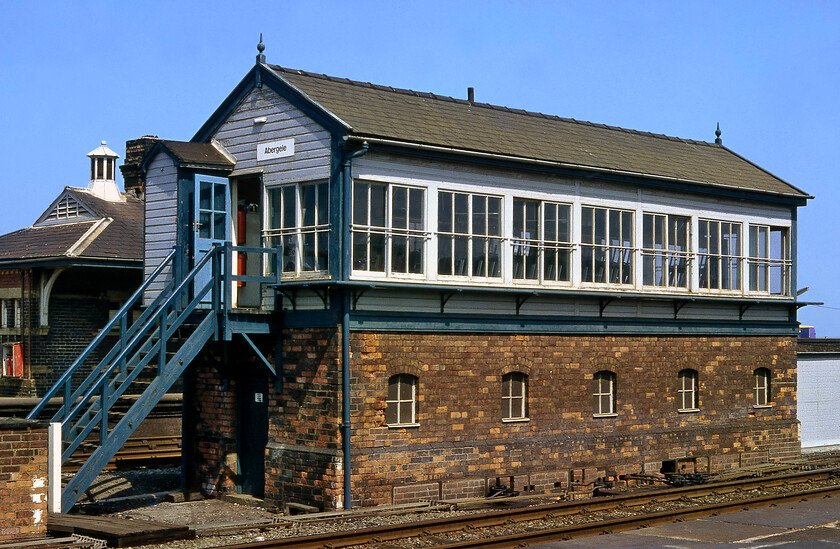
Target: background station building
column 392, row 296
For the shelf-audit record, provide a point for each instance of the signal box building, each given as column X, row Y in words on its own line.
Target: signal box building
column 416, row 297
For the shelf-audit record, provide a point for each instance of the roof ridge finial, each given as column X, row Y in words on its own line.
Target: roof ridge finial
column 261, row 49
column 718, row 140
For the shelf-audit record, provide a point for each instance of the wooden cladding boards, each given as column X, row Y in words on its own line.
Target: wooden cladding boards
column 161, row 215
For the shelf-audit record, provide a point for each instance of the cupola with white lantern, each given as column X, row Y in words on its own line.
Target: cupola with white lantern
column 103, row 182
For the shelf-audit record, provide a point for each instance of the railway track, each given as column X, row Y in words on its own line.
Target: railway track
column 581, row 518
column 153, row 450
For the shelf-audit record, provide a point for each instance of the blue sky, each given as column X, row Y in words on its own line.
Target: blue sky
column 75, row 73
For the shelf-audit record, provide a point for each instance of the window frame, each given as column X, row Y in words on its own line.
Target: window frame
column 690, row 375
column 556, row 248
column 599, row 378
column 7, row 304
column 387, row 232
column 758, row 261
column 511, row 400
column 670, row 257
column 402, row 380
column 297, row 232
column 626, row 252
column 709, row 259
column 761, row 386
column 454, row 235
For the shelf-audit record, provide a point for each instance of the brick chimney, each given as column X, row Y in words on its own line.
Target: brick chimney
column 135, row 153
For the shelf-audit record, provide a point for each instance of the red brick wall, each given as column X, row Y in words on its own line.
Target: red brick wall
column 23, row 479
column 462, row 441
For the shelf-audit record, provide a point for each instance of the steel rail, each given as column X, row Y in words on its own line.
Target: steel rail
column 499, row 518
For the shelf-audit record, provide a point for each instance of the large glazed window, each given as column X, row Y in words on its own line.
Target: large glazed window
column 719, row 255
column 402, row 400
column 665, row 250
column 469, row 235
column 769, row 261
column 541, row 240
column 298, row 219
column 389, row 229
column 606, row 246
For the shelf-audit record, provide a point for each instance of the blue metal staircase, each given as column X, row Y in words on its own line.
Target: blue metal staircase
column 159, row 344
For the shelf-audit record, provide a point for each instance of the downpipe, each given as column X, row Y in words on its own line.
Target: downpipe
column 347, row 211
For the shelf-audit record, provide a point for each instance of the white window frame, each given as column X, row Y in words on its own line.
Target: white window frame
column 626, row 253
column 721, row 259
column 761, row 387
column 411, row 381
column 514, row 406
column 472, row 237
column 544, row 248
column 388, row 233
column 665, row 259
column 688, row 382
column 12, row 304
column 296, row 232
column 604, row 382
column 760, row 259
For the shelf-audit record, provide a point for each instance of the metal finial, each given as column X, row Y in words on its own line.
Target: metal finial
column 261, row 49
column 718, row 140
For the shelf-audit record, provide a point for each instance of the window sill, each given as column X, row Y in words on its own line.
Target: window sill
column 759, row 406
column 689, row 411
column 402, row 425
column 516, row 419
column 604, row 415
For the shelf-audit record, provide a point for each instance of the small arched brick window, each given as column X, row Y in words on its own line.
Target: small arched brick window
column 688, row 389
column 604, row 393
column 514, row 395
column 402, row 400
column 761, row 387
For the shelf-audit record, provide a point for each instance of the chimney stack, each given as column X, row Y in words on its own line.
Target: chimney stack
column 135, row 153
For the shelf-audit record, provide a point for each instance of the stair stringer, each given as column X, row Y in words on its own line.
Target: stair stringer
column 179, row 362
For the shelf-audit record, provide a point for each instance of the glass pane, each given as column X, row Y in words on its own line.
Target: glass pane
column 377, row 205
column 274, row 208
column 391, row 413
column 360, row 203
column 587, row 225
column 399, row 251
column 494, row 216
column 516, row 386
column 219, row 203
column 289, row 207
column 461, row 214
column 647, row 231
column 204, row 196
column 506, row 385
column 627, row 229
column 519, row 219
column 415, row 255
column 531, row 220
column 308, row 198
column 550, row 222
column 600, row 264
column 479, row 267
column 205, row 225
column 399, row 208
column 615, row 228
column 393, row 388
column 479, row 219
column 415, row 210
column 377, row 252
column 600, row 226
column 323, row 251
column 659, row 232
column 445, row 255
column 606, row 404
column 219, row 226
column 445, row 212
column 360, row 251
column 323, row 204
column 308, row 252
column 564, row 216
column 494, row 250
column 587, row 274
column 405, row 412
column 289, row 253
column 563, row 270
column 460, row 255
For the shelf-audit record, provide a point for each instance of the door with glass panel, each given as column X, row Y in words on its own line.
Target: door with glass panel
column 211, row 223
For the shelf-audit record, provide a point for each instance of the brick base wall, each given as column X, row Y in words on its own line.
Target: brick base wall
column 23, row 479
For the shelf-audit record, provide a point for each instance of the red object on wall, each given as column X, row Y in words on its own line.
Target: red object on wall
column 13, row 361
column 241, row 267
column 240, row 226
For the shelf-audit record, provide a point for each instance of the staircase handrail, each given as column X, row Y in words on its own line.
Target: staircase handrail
column 95, row 387
column 66, row 377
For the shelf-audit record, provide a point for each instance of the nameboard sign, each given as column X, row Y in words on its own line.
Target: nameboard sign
column 275, row 149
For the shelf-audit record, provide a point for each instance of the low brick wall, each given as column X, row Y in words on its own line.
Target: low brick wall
column 23, row 478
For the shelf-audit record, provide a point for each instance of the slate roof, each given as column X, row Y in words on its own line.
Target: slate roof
column 427, row 119
column 119, row 235
column 196, row 154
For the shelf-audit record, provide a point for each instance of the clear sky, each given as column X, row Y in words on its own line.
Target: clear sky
column 75, row 73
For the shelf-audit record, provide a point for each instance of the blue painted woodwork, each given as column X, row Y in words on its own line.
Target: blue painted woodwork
column 155, row 343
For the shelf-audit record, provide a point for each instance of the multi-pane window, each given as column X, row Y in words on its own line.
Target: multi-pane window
column 665, row 250
column 9, row 313
column 761, row 387
column 541, row 240
column 402, row 400
column 688, row 389
column 606, row 246
column 769, row 261
column 389, row 230
column 719, row 255
column 469, row 235
column 514, row 389
column 604, row 393
column 298, row 219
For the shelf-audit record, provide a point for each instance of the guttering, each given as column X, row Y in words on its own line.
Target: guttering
column 570, row 166
column 347, row 211
column 65, row 261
